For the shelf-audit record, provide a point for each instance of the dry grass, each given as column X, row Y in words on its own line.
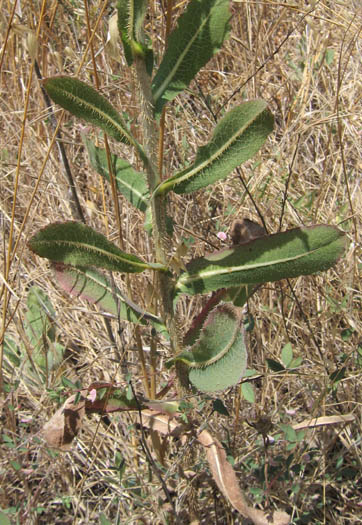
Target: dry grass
column 305, row 62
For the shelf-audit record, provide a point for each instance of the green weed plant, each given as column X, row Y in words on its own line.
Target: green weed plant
column 217, row 358
column 213, row 355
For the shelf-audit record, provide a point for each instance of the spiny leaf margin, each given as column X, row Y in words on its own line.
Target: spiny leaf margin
column 131, row 14
column 217, row 360
column 200, row 33
column 86, row 103
column 76, row 244
column 236, row 138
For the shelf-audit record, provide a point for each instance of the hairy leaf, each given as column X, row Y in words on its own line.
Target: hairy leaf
column 236, row 138
column 196, row 326
column 85, row 102
column 131, row 183
column 301, row 251
column 148, row 226
column 92, row 286
column 218, row 359
column 200, row 33
column 79, row 245
column 239, row 295
column 131, row 14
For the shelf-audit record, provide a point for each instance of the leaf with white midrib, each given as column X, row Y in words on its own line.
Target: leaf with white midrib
column 236, row 138
column 79, row 245
column 301, row 251
column 200, row 33
column 85, row 102
column 166, row 81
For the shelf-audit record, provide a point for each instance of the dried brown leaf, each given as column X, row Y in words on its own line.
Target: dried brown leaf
column 65, row 424
column 226, row 480
column 164, row 423
column 324, row 420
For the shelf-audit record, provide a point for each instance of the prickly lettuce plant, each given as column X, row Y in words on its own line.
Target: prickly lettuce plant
column 213, row 355
column 77, row 249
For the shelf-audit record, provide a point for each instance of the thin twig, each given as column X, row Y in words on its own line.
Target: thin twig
column 148, row 455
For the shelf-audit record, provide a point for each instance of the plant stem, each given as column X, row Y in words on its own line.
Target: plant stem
column 158, row 203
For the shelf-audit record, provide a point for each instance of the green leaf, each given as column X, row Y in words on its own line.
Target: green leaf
column 47, row 353
column 92, row 286
column 148, row 226
column 249, row 323
column 301, row 251
column 251, row 372
column 290, row 433
column 85, row 102
column 131, row 14
column 287, row 355
column 337, row 375
column 236, row 138
column 109, row 399
column 130, row 183
column 218, row 406
column 329, row 56
column 104, row 520
column 275, row 366
column 15, row 464
column 218, row 359
column 39, row 319
column 248, row 392
column 200, row 33
column 359, row 356
column 48, row 357
column 12, row 354
column 69, row 384
column 79, row 245
column 296, row 362
column 164, row 406
column 300, row 436
column 8, row 441
column 239, row 295
column 4, row 519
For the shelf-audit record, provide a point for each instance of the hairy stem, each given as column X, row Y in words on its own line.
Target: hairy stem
column 158, row 203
